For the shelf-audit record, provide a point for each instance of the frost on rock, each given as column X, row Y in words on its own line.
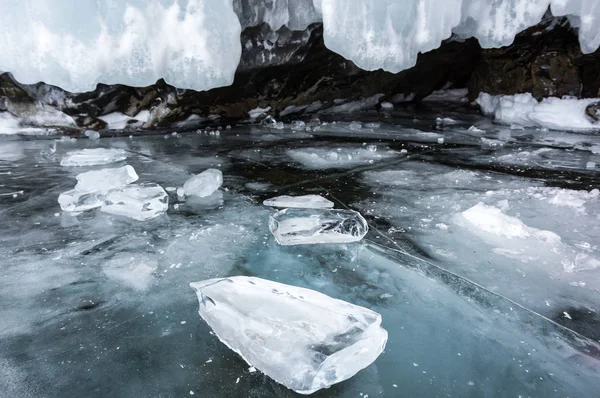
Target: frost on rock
column 106, row 179
column 299, row 202
column 300, row 338
column 93, row 157
column 525, row 111
column 138, row 201
column 305, row 227
column 203, row 184
column 190, row 43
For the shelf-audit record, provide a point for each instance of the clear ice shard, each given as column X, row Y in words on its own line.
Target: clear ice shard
column 78, row 201
column 106, row 179
column 204, row 184
column 299, row 202
column 300, row 338
column 312, row 226
column 138, row 201
column 93, row 157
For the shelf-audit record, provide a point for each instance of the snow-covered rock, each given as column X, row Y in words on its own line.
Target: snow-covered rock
column 552, row 113
column 300, row 338
column 312, row 226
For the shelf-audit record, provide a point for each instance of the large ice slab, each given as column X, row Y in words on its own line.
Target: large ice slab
column 300, row 338
column 93, row 157
column 299, row 202
column 311, row 226
column 138, row 201
column 106, row 179
column 204, row 184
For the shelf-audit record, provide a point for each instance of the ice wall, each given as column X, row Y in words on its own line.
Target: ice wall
column 76, row 44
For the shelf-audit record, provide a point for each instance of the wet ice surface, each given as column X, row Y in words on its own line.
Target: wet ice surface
column 100, row 305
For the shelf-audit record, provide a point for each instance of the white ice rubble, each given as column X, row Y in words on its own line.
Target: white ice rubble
column 299, row 202
column 93, row 186
column 300, row 338
column 523, row 110
column 196, row 43
column 137, row 201
column 93, row 157
column 314, row 226
column 203, row 184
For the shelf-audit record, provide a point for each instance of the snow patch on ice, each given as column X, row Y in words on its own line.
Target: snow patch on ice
column 525, row 111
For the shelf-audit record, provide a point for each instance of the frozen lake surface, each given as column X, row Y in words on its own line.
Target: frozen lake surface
column 482, row 256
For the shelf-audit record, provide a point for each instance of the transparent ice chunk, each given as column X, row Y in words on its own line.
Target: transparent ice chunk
column 305, row 227
column 106, row 179
column 93, row 157
column 299, row 202
column 78, row 201
column 138, row 201
column 204, row 184
column 300, row 338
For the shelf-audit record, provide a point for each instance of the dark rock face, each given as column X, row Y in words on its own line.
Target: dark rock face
column 545, row 60
column 292, row 71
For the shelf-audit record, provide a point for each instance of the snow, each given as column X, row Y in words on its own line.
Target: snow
column 524, row 110
column 119, row 121
column 140, row 202
column 313, row 226
column 203, row 184
column 93, row 157
column 299, row 202
column 299, row 337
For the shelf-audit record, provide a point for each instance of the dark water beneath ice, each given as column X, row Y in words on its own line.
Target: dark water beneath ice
column 93, row 305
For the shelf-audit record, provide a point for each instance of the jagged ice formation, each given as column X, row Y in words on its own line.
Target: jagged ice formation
column 195, row 44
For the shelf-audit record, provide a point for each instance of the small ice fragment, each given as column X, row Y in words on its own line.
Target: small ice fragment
column 180, row 192
column 280, row 126
column 170, row 189
column 416, row 365
column 386, row 296
column 298, row 125
column 269, row 122
column 300, row 338
column 237, row 381
column 441, row 226
column 105, row 179
column 440, row 140
column 299, row 202
column 251, row 369
column 395, row 385
column 333, row 156
column 387, row 106
column 566, row 314
column 314, row 122
column 138, row 201
column 488, row 143
column 92, row 135
column 304, row 226
column 204, row 184
column 590, row 165
column 183, row 322
column 372, row 148
column 404, row 151
column 373, row 125
column 355, row 126
column 474, row 129
column 191, row 392
column 471, row 383
column 78, row 201
column 93, row 157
